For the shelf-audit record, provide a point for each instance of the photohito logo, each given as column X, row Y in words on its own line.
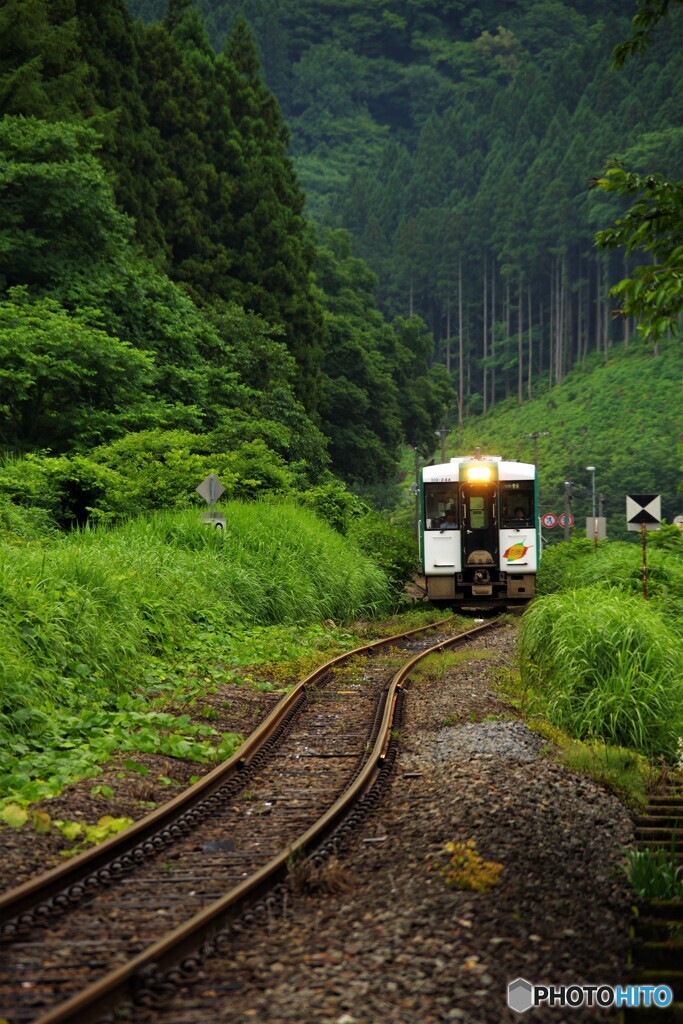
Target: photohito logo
column 522, row 995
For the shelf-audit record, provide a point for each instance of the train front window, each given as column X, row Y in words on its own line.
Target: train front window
column 478, row 512
column 441, row 506
column 517, row 504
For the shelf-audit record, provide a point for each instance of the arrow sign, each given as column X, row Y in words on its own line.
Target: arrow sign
column 643, row 510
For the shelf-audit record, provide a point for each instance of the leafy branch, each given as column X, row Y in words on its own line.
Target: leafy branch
column 653, row 293
column 643, row 24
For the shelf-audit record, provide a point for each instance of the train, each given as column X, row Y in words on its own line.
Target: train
column 479, row 530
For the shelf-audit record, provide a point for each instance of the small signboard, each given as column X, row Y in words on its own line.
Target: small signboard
column 549, row 520
column 566, row 519
column 218, row 522
column 596, row 528
column 643, row 511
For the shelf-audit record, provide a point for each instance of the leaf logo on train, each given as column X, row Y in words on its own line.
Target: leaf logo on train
column 516, row 552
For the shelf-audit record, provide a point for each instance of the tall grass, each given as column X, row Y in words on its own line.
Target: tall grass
column 606, row 665
column 574, row 565
column 79, row 612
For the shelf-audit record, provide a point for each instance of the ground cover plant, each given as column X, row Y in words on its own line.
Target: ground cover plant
column 100, row 627
column 603, row 663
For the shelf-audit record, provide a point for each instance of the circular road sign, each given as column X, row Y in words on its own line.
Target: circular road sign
column 566, row 520
column 549, row 520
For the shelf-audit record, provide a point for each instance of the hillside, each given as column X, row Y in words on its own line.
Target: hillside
column 457, row 142
column 623, row 417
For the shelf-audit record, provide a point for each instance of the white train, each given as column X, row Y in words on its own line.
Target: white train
column 479, row 536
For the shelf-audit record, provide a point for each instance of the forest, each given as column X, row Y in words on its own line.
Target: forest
column 166, row 309
column 281, row 241
column 457, row 143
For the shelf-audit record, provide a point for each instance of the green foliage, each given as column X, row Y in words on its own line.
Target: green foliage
column 64, row 380
column 622, row 417
column 392, row 547
column 335, row 505
column 86, row 618
column 619, row 565
column 102, row 593
column 59, row 221
column 653, row 223
column 141, row 472
column 654, row 874
column 606, row 666
column 42, row 70
column 644, row 23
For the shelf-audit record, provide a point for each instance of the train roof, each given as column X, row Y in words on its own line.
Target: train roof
column 505, row 470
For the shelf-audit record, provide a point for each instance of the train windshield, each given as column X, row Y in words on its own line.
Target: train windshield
column 441, row 506
column 517, row 503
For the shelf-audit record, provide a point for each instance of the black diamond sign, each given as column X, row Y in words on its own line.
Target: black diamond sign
column 643, row 508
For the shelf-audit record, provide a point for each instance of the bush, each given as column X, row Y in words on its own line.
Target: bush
column 392, row 547
column 607, row 666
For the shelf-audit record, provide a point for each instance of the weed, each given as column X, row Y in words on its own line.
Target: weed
column 465, row 868
column 654, row 875
column 329, row 877
column 435, row 667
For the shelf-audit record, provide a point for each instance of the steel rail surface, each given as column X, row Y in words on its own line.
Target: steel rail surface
column 43, row 887
column 121, row 984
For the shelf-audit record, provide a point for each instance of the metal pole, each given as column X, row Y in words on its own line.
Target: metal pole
column 567, row 485
column 642, row 531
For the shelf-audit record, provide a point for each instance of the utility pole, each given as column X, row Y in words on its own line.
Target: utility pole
column 442, row 434
column 535, row 436
column 417, row 492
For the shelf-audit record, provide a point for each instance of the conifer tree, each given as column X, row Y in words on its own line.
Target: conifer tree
column 178, row 112
column 42, row 71
column 108, row 42
column 271, row 242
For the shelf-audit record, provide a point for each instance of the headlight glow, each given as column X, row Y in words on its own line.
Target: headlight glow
column 478, row 473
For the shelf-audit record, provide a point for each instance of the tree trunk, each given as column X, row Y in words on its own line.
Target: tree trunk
column 460, row 344
column 493, row 333
column 507, row 319
column 530, row 360
column 486, row 339
column 520, row 352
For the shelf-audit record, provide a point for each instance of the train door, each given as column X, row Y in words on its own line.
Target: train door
column 480, row 525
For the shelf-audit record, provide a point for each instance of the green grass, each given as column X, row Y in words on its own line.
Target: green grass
column 607, row 666
column 99, row 628
column 654, row 874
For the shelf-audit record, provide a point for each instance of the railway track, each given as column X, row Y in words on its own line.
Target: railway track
column 126, row 921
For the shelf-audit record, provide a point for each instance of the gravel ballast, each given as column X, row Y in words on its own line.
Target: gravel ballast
column 389, row 941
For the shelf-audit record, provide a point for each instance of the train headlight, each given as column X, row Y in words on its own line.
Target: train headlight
column 478, row 473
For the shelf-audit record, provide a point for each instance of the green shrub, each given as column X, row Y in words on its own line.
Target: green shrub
column 607, row 666
column 392, row 547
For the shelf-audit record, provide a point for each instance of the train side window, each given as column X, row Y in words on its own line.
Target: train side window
column 517, row 504
column 441, row 506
